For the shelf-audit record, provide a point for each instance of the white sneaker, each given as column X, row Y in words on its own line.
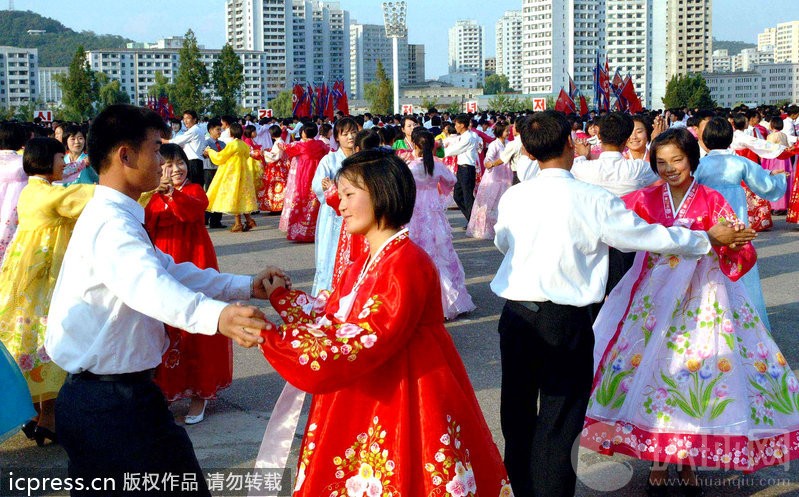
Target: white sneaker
column 193, row 420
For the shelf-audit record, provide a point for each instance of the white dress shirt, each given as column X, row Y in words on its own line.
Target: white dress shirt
column 192, row 142
column 466, row 148
column 614, row 173
column 514, row 156
column 115, row 290
column 555, row 233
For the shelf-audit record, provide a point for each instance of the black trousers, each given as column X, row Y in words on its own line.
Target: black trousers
column 463, row 193
column 547, row 356
column 214, row 219
column 195, row 172
column 112, row 428
column 618, row 264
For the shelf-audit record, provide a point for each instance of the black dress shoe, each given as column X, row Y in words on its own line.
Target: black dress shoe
column 29, row 429
column 41, row 434
column 217, row 226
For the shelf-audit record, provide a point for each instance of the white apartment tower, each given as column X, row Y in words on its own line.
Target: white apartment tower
column 635, row 34
column 19, row 76
column 689, row 40
column 369, row 44
column 509, row 47
column 466, row 48
column 767, row 40
column 786, row 42
column 561, row 37
column 416, row 66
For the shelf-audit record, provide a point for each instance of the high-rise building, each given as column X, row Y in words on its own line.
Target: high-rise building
column 767, row 40
column 509, row 47
column 489, row 66
column 466, row 47
column 416, row 66
column 304, row 40
column 49, row 89
column 368, row 45
column 689, row 40
column 635, row 35
column 785, row 40
column 19, row 76
column 561, row 38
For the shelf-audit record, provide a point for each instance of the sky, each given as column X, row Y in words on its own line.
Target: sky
column 428, row 21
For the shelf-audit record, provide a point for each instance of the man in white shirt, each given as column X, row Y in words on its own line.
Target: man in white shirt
column 192, row 141
column 555, row 232
column 113, row 294
column 466, row 149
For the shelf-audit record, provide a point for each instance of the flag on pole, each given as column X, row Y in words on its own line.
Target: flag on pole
column 631, row 97
column 564, row 104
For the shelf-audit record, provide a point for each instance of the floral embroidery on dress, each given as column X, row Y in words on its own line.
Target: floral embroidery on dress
column 365, row 470
column 452, row 467
column 305, row 457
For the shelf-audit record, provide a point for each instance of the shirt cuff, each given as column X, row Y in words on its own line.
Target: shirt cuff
column 241, row 288
column 207, row 314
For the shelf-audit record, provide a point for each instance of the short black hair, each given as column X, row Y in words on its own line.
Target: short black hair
column 191, row 112
column 463, row 119
column 214, row 122
column 275, row 131
column 717, row 134
column 389, row 182
column 545, row 134
column 236, row 131
column 776, row 123
column 70, row 131
column 615, row 128
column 682, row 139
column 173, row 152
column 39, row 154
column 344, row 124
column 739, row 121
column 119, row 125
column 367, row 139
column 12, row 136
column 646, row 122
column 310, row 130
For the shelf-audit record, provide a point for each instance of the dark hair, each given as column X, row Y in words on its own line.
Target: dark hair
column 192, row 113
column 344, row 124
column 119, row 125
column 173, row 152
column 463, row 119
column 646, row 122
column 70, row 131
column 236, row 131
column 39, row 154
column 776, row 123
column 12, row 136
column 680, row 138
column 251, row 131
column 435, row 120
column 792, row 109
column 425, row 141
column 499, row 129
column 717, row 134
column 367, row 139
column 450, row 128
column 310, row 130
column 407, row 117
column 740, row 122
column 615, row 128
column 275, row 131
column 389, row 182
column 545, row 134
column 325, row 129
column 214, row 122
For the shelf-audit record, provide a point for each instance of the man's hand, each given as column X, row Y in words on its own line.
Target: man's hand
column 274, row 284
column 243, row 324
column 733, row 236
column 260, row 280
column 582, row 148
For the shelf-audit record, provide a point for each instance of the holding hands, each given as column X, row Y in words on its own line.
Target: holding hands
column 327, row 183
column 731, row 235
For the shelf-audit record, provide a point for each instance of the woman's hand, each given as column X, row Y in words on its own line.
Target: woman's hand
column 262, row 282
column 273, row 284
column 734, row 236
column 326, row 183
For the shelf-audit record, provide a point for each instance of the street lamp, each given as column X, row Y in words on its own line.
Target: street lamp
column 394, row 18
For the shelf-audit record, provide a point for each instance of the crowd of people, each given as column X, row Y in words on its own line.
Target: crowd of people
column 634, row 319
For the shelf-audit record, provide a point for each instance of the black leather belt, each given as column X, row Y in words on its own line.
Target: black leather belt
column 139, row 376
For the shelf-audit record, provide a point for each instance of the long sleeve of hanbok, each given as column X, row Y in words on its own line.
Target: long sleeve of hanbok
column 219, row 158
column 763, row 183
column 69, row 202
column 317, row 352
column 446, row 180
column 186, row 205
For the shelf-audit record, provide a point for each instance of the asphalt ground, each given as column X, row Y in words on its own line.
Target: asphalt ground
column 234, row 426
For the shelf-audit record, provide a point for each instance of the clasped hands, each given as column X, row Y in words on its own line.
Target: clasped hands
column 243, row 323
column 734, row 235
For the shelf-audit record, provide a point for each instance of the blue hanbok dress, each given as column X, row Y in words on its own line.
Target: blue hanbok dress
column 17, row 406
column 328, row 224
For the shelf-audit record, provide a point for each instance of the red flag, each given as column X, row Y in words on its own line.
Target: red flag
column 342, row 103
column 604, row 85
column 297, row 98
column 583, row 106
column 564, row 104
column 629, row 94
column 574, row 92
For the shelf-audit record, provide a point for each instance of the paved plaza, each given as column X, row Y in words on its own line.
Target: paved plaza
column 231, row 434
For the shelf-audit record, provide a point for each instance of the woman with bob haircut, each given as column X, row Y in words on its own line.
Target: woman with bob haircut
column 393, row 411
column 686, row 372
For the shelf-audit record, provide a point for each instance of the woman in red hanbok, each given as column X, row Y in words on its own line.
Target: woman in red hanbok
column 276, row 169
column 393, row 410
column 194, row 366
column 301, row 205
column 686, row 372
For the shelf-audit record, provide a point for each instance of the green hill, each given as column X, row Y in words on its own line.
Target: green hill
column 733, row 47
column 58, row 44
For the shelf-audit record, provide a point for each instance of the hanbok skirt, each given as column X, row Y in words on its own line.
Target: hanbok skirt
column 273, row 186
column 687, row 373
column 780, row 165
column 484, row 213
column 759, row 211
column 793, row 204
column 17, row 405
column 290, row 198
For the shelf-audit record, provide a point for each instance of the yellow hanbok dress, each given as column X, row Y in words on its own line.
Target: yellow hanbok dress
column 47, row 216
column 233, row 188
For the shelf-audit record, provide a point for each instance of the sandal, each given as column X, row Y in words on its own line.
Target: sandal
column 251, row 224
column 237, row 228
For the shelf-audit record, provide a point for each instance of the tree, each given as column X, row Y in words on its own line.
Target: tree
column 496, row 83
column 504, row 103
column 79, row 88
column 162, row 87
column 688, row 91
column 281, row 105
column 454, row 108
column 228, row 78
column 380, row 92
column 110, row 92
column 429, row 102
column 191, row 79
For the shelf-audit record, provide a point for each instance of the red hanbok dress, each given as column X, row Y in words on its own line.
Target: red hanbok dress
column 302, row 207
column 193, row 365
column 393, row 410
column 276, row 170
column 759, row 209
